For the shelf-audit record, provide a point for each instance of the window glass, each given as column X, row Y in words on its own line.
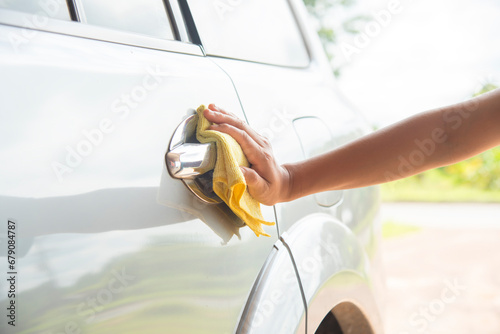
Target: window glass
column 57, row 9
column 148, row 17
column 257, row 30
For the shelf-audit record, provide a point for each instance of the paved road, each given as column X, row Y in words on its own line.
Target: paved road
column 447, row 279
column 443, row 215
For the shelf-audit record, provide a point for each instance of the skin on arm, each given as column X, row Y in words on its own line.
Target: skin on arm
column 428, row 140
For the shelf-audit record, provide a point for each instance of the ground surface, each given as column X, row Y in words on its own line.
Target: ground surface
column 443, row 279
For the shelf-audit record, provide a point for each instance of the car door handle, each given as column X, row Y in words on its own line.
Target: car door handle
column 191, row 161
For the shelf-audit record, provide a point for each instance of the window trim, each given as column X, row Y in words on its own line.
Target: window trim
column 73, row 12
column 79, row 11
column 177, row 19
column 177, row 11
column 189, row 21
column 77, row 29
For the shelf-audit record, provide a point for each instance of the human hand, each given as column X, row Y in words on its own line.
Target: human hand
column 267, row 182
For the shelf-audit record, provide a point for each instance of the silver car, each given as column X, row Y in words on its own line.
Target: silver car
column 100, row 234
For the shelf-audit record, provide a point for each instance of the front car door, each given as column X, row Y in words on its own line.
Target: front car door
column 106, row 240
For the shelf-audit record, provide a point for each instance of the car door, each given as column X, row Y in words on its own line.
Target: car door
column 288, row 94
column 284, row 83
column 106, row 240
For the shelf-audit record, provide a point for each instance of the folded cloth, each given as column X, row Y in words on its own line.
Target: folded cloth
column 228, row 180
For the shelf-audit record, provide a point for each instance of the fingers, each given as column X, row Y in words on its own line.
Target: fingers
column 213, row 107
column 264, row 177
column 228, row 123
column 251, row 177
column 257, row 186
column 257, row 149
column 249, row 146
column 220, row 116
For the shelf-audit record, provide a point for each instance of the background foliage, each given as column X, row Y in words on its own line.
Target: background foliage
column 476, row 179
column 332, row 21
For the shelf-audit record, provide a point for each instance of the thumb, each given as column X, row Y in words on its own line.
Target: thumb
column 255, row 182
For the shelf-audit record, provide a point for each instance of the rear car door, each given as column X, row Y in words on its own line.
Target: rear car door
column 105, row 239
column 284, row 83
column 288, row 93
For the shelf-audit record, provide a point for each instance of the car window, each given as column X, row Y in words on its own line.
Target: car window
column 148, row 17
column 57, row 9
column 257, row 30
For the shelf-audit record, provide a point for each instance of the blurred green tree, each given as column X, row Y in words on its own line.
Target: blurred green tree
column 481, row 171
column 330, row 26
column 474, row 180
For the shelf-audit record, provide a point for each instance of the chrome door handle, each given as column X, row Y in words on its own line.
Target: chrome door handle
column 190, row 161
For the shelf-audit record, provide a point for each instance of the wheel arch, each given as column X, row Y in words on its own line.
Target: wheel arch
column 335, row 274
column 320, row 263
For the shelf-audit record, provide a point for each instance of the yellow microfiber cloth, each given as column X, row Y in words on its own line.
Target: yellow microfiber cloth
column 228, row 180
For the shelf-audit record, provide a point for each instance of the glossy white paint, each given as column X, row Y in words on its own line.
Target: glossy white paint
column 117, row 212
column 334, row 267
column 108, row 239
column 275, row 305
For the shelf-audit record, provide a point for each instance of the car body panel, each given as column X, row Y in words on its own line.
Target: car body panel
column 333, row 267
column 275, row 304
column 111, row 240
column 108, row 239
column 290, row 96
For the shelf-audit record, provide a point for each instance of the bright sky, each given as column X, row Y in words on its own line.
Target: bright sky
column 432, row 53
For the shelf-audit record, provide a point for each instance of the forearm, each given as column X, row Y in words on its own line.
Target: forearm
column 388, row 154
column 428, row 140
column 425, row 141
